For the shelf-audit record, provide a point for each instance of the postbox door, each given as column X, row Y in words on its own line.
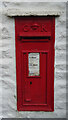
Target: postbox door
column 34, row 78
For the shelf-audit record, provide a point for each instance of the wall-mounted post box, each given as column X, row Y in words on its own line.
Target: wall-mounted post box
column 35, row 38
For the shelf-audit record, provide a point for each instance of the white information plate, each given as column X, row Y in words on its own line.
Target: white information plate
column 33, row 61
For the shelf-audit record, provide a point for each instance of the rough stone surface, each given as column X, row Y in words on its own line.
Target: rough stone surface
column 8, row 65
column 18, row 12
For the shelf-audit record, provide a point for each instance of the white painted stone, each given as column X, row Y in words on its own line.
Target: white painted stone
column 8, row 65
column 35, row 1
column 20, row 12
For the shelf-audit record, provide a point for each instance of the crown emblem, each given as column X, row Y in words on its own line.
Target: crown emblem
column 34, row 26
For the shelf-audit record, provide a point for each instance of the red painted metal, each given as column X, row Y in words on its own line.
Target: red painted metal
column 35, row 35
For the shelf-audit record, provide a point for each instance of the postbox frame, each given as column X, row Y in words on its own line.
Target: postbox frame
column 18, row 77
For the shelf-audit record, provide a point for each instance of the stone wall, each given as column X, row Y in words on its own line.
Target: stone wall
column 8, row 65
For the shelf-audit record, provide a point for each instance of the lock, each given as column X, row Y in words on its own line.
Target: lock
column 30, row 83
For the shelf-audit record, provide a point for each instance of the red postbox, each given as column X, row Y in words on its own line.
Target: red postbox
column 35, row 38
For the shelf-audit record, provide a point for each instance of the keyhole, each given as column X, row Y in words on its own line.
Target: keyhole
column 30, row 82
